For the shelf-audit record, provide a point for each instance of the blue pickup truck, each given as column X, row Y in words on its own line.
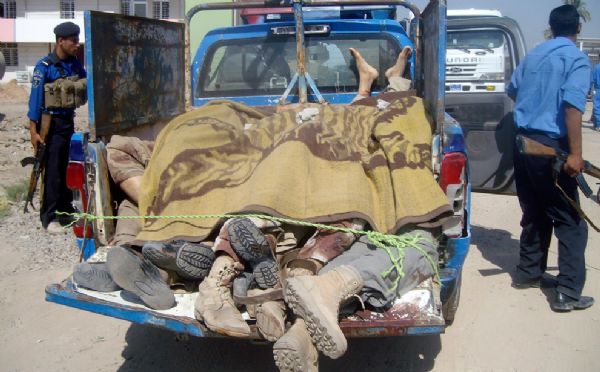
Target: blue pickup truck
column 140, row 75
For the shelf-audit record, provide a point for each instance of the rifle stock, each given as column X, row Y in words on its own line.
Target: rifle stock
column 534, row 148
column 38, row 160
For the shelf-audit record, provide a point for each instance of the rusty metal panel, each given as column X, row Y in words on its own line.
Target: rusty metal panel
column 135, row 71
column 434, row 59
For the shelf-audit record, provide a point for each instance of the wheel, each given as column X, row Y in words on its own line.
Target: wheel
column 451, row 305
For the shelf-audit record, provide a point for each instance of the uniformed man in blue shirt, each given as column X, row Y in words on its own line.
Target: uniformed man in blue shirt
column 550, row 88
column 596, row 111
column 61, row 63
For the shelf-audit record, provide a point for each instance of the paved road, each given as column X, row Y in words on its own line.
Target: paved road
column 497, row 328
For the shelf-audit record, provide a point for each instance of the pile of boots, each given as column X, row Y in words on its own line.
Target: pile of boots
column 246, row 264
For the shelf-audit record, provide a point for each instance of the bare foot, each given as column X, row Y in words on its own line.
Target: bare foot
column 367, row 73
column 397, row 70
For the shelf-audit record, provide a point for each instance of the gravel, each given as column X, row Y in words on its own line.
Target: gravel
column 27, row 246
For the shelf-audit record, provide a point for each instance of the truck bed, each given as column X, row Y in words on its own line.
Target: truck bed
column 418, row 312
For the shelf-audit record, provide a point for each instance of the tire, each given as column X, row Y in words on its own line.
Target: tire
column 451, row 305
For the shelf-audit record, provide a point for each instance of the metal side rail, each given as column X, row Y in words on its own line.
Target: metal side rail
column 418, row 312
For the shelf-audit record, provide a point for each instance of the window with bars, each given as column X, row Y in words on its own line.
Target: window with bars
column 67, row 9
column 8, row 9
column 11, row 53
column 134, row 7
column 160, row 9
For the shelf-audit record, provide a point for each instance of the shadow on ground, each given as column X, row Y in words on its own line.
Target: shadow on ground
column 496, row 246
column 151, row 349
column 499, row 248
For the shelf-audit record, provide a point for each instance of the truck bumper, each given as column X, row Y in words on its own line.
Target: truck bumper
column 416, row 313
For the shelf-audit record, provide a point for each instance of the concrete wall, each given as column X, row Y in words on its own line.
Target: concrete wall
column 29, row 54
column 32, row 30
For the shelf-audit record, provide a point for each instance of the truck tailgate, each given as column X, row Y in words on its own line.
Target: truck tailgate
column 417, row 312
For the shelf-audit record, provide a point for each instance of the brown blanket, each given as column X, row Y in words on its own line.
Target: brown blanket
column 344, row 162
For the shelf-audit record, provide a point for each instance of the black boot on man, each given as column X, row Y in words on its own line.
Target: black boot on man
column 563, row 303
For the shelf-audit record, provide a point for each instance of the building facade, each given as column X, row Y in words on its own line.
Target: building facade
column 26, row 26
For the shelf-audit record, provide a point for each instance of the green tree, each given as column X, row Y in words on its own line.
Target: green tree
column 584, row 14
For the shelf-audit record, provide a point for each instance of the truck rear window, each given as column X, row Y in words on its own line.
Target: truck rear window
column 253, row 67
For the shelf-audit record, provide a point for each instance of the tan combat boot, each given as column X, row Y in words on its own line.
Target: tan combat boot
column 317, row 299
column 214, row 304
column 295, row 352
column 270, row 319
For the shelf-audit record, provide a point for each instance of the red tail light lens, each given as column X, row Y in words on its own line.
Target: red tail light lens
column 76, row 182
column 453, row 170
column 75, row 175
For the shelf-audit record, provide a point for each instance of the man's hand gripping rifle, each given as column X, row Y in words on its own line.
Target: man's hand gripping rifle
column 534, row 148
column 37, row 160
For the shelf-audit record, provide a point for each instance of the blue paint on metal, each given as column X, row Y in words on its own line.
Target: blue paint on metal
column 76, row 152
column 141, row 316
column 333, row 98
column 453, row 139
column 90, row 247
column 89, row 67
column 412, row 331
column 388, row 27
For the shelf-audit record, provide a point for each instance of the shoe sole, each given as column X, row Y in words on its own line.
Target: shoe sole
column 289, row 357
column 139, row 277
column 526, row 286
column 95, row 277
column 326, row 335
column 266, row 274
column 158, row 258
column 248, row 241
column 194, row 261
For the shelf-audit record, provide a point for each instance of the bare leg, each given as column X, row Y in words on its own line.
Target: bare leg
column 367, row 73
column 131, row 186
column 397, row 70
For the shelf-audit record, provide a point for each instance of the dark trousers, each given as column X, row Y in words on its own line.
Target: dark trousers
column 545, row 209
column 57, row 197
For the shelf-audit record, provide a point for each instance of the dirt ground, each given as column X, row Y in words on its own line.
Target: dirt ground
column 496, row 328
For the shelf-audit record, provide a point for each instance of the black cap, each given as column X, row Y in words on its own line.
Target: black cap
column 66, row 29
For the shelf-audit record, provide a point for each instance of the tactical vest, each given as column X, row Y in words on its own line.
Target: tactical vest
column 67, row 93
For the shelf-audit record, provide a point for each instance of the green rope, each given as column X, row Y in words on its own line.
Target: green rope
column 384, row 241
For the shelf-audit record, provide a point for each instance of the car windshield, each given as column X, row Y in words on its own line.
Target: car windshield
column 252, row 67
column 486, row 40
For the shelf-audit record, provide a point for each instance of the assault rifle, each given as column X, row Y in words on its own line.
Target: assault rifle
column 531, row 147
column 37, row 160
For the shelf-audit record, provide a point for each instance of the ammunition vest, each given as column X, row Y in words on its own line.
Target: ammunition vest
column 69, row 93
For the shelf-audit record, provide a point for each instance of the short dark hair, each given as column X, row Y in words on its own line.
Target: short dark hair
column 564, row 20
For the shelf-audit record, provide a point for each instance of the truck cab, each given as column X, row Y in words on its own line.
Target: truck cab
column 258, row 64
column 475, row 59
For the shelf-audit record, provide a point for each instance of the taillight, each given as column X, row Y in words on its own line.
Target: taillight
column 75, row 175
column 453, row 183
column 76, row 182
column 453, row 170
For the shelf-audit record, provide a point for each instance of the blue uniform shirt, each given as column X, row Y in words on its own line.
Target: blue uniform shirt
column 552, row 74
column 596, row 82
column 47, row 70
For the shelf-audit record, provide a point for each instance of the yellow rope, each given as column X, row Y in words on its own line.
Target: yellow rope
column 384, row 241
